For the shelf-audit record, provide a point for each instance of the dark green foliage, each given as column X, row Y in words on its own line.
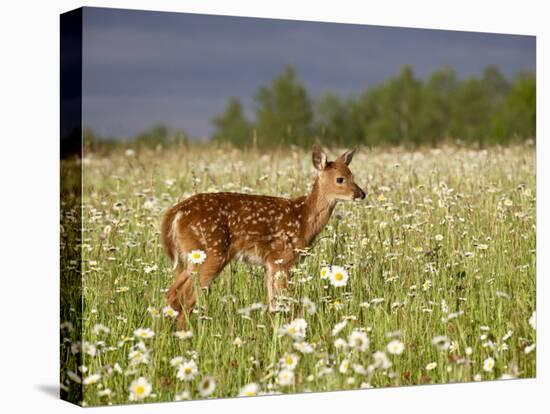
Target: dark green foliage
column 403, row 110
column 232, row 125
column 283, row 112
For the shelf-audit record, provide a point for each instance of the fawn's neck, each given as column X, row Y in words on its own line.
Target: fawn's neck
column 316, row 211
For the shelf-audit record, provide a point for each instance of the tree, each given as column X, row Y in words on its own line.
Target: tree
column 438, row 96
column 392, row 110
column 336, row 121
column 232, row 125
column 517, row 118
column 283, row 111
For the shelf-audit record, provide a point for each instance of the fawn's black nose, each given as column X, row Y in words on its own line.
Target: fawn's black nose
column 359, row 195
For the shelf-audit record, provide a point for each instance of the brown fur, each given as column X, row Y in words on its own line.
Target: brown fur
column 260, row 229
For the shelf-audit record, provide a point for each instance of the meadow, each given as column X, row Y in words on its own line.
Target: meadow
column 441, row 289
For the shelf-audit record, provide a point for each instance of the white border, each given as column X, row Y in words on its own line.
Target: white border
column 29, row 203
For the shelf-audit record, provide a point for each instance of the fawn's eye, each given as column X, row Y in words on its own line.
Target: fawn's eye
column 340, row 180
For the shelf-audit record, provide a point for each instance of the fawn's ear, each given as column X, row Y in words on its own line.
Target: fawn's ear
column 347, row 156
column 318, row 157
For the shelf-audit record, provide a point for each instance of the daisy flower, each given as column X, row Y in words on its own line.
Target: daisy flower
column 139, row 389
column 358, row 340
column 431, row 366
column 381, row 360
column 184, row 395
column 197, row 257
column 89, row 348
column 289, row 361
column 207, row 386
column 249, row 390
column 338, row 276
column 183, row 334
column 325, row 272
column 101, row 329
column 309, row 305
column 138, row 356
column 488, row 364
column 144, row 333
column 338, row 327
column 341, row 344
column 395, row 347
column 285, row 377
column 303, row 347
column 74, row 376
column 176, row 361
column 91, row 379
column 187, row 371
column 169, row 312
column 441, row 342
column 295, row 329
column 344, row 366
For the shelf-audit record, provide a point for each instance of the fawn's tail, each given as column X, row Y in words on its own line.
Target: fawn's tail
column 168, row 234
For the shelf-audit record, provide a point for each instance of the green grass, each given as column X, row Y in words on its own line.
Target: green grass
column 444, row 244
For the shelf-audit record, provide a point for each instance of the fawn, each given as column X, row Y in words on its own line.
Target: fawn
column 264, row 230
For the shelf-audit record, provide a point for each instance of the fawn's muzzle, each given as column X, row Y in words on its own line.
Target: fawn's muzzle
column 358, row 194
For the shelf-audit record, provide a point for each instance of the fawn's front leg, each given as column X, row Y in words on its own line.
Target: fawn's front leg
column 277, row 283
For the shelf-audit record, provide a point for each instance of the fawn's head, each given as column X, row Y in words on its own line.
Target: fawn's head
column 335, row 178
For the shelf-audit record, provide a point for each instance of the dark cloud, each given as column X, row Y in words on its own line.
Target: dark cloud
column 143, row 67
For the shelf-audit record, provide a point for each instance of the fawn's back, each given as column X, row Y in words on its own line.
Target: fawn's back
column 227, row 225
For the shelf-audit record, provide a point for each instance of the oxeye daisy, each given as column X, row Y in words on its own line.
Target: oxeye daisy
column 344, row 366
column 89, row 348
column 488, row 364
column 183, row 334
column 325, row 272
column 176, row 361
column 207, row 386
column 295, row 329
column 289, row 361
column 431, row 366
column 381, row 360
column 249, row 390
column 184, row 395
column 358, row 340
column 196, row 256
column 139, row 389
column 144, row 333
column 395, row 347
column 285, row 377
column 441, row 342
column 91, row 379
column 338, row 276
column 303, row 346
column 341, row 344
column 169, row 312
column 101, row 329
column 187, row 371
column 338, row 327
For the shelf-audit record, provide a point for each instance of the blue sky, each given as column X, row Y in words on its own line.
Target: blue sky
column 143, row 67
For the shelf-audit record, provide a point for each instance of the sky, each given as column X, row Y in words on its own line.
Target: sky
column 144, row 67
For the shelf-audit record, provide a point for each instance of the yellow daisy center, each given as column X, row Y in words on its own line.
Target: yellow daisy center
column 338, row 276
column 140, row 389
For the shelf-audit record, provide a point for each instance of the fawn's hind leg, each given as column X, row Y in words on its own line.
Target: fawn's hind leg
column 181, row 295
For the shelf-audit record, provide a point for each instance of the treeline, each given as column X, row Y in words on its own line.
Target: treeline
column 403, row 110
column 159, row 135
